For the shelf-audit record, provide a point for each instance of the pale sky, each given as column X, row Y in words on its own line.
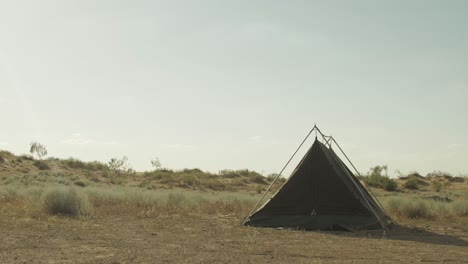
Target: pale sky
column 237, row 84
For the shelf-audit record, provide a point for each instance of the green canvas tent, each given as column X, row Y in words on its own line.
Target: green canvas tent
column 321, row 193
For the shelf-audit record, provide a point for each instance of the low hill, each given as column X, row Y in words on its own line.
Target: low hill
column 27, row 170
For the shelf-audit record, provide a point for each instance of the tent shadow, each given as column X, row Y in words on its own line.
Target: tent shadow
column 408, row 234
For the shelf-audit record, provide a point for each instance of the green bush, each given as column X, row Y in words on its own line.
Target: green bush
column 259, row 179
column 66, row 202
column 80, row 183
column 78, row 164
column 42, row 165
column 375, row 179
column 406, row 208
column 229, row 174
column 416, row 209
column 437, row 186
column 176, row 198
column 74, row 163
column 457, row 179
column 380, row 182
column 460, row 208
column 411, row 183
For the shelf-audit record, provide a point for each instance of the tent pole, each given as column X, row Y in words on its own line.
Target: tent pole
column 279, row 174
column 357, row 172
column 323, row 136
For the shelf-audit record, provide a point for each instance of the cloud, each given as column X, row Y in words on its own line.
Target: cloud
column 77, row 139
column 4, row 144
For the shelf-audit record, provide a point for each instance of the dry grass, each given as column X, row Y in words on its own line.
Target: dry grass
column 68, row 202
column 191, row 190
column 408, row 207
column 56, row 199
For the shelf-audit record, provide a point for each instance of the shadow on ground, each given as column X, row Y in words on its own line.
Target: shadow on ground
column 407, row 233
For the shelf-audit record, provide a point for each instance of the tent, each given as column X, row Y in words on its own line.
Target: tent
column 321, row 193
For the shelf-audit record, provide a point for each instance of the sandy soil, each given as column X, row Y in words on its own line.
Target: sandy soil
column 216, row 239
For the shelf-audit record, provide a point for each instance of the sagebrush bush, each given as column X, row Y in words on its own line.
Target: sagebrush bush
column 176, row 198
column 380, row 181
column 259, row 179
column 42, row 165
column 406, row 208
column 416, row 209
column 80, row 183
column 78, row 164
column 411, row 183
column 66, row 202
column 460, row 208
column 437, row 186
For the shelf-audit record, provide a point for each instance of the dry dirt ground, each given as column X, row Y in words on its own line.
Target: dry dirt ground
column 196, row 238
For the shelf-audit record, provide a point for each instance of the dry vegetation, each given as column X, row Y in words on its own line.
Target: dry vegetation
column 74, row 211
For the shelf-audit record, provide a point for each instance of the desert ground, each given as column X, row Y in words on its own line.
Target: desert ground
column 155, row 218
column 218, row 238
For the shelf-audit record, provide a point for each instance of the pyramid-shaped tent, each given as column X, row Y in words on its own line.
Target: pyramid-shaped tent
column 321, row 193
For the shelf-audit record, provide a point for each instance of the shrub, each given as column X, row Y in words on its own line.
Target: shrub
column 437, row 186
column 42, row 165
column 66, row 202
column 193, row 171
column 78, row 164
column 95, row 178
column 74, row 163
column 38, row 149
column 272, row 177
column 375, row 178
column 416, row 209
column 408, row 208
column 457, row 179
column 80, row 183
column 259, row 189
column 411, row 183
column 439, row 174
column 229, row 174
column 259, row 179
column 96, row 165
column 26, row 157
column 176, row 198
column 460, row 208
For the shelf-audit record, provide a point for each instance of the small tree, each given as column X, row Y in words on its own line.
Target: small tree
column 120, row 165
column 38, row 149
column 156, row 163
column 375, row 178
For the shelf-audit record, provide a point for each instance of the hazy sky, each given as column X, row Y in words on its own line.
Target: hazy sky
column 237, row 84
